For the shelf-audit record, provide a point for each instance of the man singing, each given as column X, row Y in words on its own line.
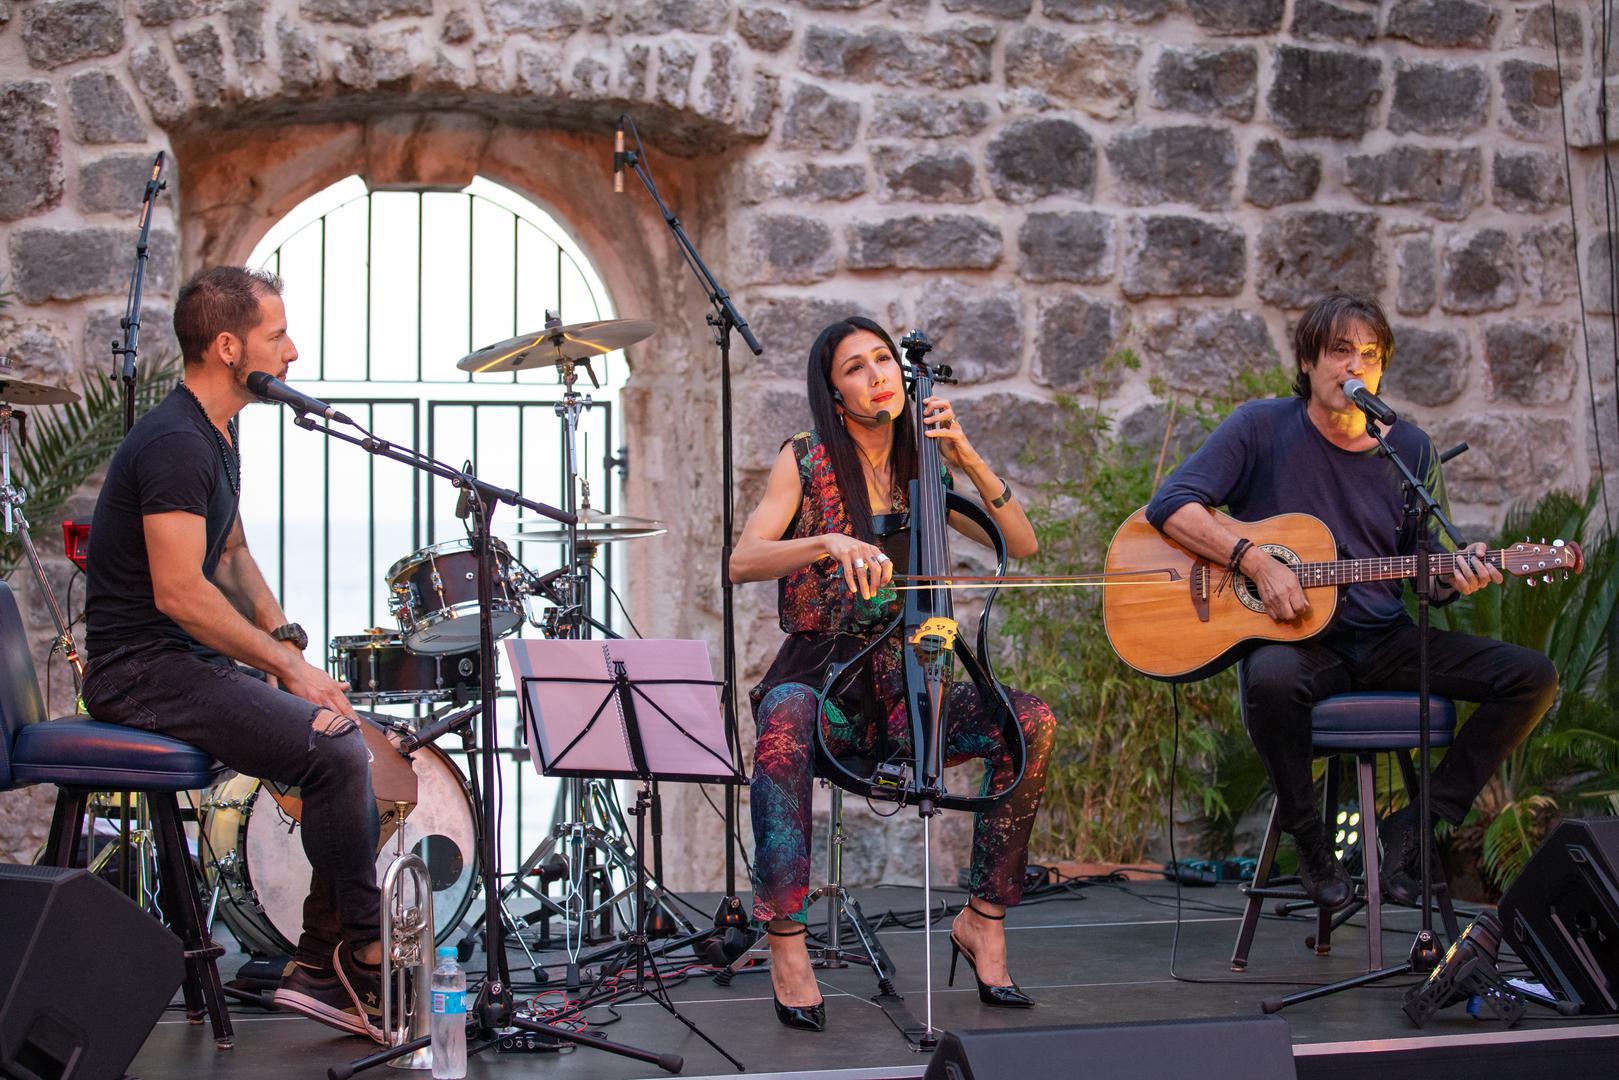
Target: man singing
column 175, row 599
column 1313, row 454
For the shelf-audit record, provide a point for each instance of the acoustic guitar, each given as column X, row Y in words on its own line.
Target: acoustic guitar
column 1168, row 616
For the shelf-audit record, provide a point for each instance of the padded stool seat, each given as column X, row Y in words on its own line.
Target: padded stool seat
column 1377, row 721
column 92, row 754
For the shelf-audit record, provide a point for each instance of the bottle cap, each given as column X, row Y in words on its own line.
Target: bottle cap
column 446, row 952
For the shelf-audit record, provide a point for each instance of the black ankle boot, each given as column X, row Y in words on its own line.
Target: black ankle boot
column 1401, row 869
column 1322, row 875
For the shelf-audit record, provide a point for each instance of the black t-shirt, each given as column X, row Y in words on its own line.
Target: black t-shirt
column 170, row 460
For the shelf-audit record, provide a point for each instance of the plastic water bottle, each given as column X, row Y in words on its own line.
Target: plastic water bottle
column 449, row 1023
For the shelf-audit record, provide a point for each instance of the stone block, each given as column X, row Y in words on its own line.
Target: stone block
column 946, row 59
column 836, row 5
column 202, row 54
column 1443, row 24
column 672, row 16
column 788, row 325
column 70, row 264
column 944, row 175
column 925, row 242
column 1530, row 361
column 1324, row 92
column 458, row 28
column 1090, row 11
column 723, row 82
column 1320, row 20
column 676, row 60
column 790, row 248
column 1074, row 335
column 1546, row 254
column 927, row 117
column 1183, row 256
column 1277, row 175
column 817, row 120
column 30, row 149
column 1529, row 181
column 116, row 184
column 633, row 70
column 1023, row 437
column 1190, row 164
column 157, row 85
column 1479, row 272
column 1237, row 16
column 1532, row 28
column 997, row 9
column 1418, row 282
column 370, row 62
column 1446, row 183
column 1092, row 72
column 802, row 182
column 1221, row 81
column 1072, row 246
column 759, row 117
column 58, row 32
column 1438, row 99
column 361, row 12
column 1429, row 367
column 1304, row 254
column 39, row 349
column 244, row 19
column 1599, row 286
column 765, row 28
column 1529, row 98
column 1498, row 468
column 548, row 20
column 1202, row 351
column 590, row 79
column 103, row 327
column 978, row 331
column 1140, row 434
column 164, row 12
column 1032, row 158
column 300, row 60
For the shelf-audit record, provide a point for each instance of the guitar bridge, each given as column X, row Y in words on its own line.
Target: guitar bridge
column 1198, row 580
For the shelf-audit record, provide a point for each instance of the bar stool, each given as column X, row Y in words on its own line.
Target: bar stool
column 1361, row 726
column 81, row 756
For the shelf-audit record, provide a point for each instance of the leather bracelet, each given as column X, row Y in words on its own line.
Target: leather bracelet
column 1004, row 497
column 1235, row 563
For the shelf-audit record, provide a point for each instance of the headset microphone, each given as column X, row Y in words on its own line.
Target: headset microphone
column 883, row 415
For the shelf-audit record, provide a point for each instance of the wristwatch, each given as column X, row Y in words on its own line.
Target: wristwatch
column 293, row 633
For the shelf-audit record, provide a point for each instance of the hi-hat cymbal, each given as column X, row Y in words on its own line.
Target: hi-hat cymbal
column 554, row 344
column 15, row 391
column 594, row 528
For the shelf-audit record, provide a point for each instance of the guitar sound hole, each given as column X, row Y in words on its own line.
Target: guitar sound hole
column 1248, row 592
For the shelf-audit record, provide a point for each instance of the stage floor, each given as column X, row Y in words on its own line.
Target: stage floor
column 1096, row 955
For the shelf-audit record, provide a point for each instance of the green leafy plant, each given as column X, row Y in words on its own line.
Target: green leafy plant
column 1105, row 787
column 68, row 444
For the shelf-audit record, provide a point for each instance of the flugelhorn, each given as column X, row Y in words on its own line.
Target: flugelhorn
column 407, row 949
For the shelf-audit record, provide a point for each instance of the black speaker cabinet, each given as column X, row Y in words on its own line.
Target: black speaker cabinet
column 1562, row 914
column 1235, row 1048
column 84, row 975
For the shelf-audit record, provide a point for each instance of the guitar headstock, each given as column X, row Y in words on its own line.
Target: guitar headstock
column 1527, row 558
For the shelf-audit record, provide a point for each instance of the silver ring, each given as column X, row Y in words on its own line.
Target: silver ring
column 882, row 556
column 860, row 564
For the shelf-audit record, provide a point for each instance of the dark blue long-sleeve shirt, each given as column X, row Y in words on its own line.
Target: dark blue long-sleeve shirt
column 1267, row 458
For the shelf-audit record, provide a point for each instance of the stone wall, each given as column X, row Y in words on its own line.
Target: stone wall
column 1036, row 182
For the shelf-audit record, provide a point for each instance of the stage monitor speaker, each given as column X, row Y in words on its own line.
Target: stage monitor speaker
column 84, row 975
column 1562, row 914
column 1223, row 1048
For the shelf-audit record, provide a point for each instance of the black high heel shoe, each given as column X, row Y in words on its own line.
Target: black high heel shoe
column 1000, row 997
column 803, row 1017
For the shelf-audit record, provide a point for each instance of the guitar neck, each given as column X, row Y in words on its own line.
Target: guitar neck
column 1350, row 571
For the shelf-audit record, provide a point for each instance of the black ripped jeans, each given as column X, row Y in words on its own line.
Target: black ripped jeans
column 260, row 731
column 1514, row 687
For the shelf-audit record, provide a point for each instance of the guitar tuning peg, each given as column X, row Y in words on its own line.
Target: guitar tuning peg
column 1565, row 575
column 1543, row 541
column 1547, row 578
column 1530, row 582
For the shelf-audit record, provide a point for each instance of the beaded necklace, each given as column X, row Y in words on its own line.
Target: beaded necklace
column 233, row 467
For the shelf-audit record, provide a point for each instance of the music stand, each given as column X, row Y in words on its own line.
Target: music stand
column 635, row 709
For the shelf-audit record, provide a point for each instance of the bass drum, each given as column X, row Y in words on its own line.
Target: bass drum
column 254, row 854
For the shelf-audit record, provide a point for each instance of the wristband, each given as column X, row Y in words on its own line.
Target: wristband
column 1004, row 497
column 1235, row 563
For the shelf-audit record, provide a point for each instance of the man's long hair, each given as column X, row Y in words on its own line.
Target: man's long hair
column 1325, row 320
column 219, row 300
column 840, row 448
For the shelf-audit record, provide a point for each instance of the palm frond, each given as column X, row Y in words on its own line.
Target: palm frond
column 1513, row 836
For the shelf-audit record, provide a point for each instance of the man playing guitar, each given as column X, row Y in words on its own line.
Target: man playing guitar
column 1313, row 454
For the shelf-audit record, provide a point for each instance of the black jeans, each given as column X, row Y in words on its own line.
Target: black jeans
column 1514, row 687
column 263, row 732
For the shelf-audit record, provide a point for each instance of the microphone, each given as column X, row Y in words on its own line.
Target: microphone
column 883, row 415
column 618, row 157
column 1370, row 404
column 270, row 388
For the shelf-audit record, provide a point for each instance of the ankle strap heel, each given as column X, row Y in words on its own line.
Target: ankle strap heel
column 984, row 914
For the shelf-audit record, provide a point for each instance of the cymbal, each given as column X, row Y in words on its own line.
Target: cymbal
column 16, row 391
column 594, row 528
column 549, row 347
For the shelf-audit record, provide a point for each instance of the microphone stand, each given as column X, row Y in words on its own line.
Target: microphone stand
column 723, row 318
column 1420, row 507
column 124, row 354
column 494, row 1011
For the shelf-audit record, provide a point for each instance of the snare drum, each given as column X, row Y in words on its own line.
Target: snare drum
column 380, row 670
column 434, row 595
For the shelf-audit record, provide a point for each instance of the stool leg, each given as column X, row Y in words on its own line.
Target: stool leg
column 1250, row 911
column 1329, row 815
column 1374, row 880
column 67, row 822
column 203, row 990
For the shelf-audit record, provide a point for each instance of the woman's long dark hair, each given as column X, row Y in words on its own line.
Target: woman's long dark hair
column 840, row 448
